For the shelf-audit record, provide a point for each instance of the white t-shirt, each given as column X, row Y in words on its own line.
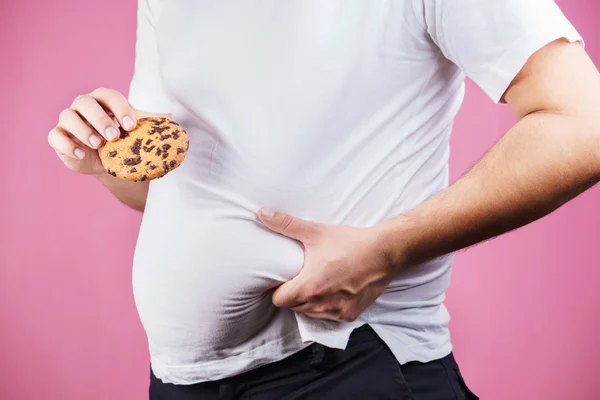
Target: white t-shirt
column 335, row 111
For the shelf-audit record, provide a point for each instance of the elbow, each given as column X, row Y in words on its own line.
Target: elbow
column 137, row 206
column 134, row 204
column 582, row 126
column 592, row 126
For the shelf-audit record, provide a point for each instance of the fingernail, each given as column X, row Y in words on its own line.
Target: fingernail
column 266, row 213
column 111, row 133
column 79, row 153
column 95, row 141
column 128, row 123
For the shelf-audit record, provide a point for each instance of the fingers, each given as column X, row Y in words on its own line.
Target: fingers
column 290, row 226
column 316, row 307
column 64, row 145
column 288, row 294
column 318, row 311
column 330, row 307
column 91, row 120
column 71, row 122
column 102, row 111
column 91, row 111
column 117, row 104
column 324, row 316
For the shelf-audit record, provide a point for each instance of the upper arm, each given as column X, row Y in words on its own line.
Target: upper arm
column 558, row 78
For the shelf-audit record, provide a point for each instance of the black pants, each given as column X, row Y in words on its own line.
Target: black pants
column 366, row 369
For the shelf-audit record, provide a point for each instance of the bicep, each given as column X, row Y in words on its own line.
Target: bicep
column 560, row 78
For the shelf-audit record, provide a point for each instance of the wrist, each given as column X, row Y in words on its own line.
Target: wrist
column 396, row 239
column 102, row 175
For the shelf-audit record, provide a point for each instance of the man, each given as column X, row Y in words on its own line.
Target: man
column 303, row 248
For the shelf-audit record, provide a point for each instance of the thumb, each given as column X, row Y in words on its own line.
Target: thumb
column 287, row 294
column 287, row 225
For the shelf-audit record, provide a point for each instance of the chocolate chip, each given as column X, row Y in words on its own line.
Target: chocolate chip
column 165, row 166
column 158, row 152
column 180, row 150
column 165, row 155
column 112, row 153
column 158, row 129
column 148, row 149
column 148, row 162
column 175, row 134
column 124, row 134
column 112, row 173
column 133, row 169
column 135, row 149
column 152, row 167
column 157, row 121
column 166, row 146
column 132, row 161
column 143, row 178
column 173, row 163
column 148, row 142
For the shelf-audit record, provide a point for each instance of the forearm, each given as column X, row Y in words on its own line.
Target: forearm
column 132, row 194
column 544, row 161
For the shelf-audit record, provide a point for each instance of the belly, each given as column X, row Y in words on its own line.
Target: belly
column 203, row 276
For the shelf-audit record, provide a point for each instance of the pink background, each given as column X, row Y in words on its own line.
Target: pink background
column 525, row 307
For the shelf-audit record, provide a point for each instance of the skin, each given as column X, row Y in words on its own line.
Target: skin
column 84, row 127
column 549, row 157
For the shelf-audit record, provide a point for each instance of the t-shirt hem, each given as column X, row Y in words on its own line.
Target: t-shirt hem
column 227, row 367
column 244, row 362
column 421, row 352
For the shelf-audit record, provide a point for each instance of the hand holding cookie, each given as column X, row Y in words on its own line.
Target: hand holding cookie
column 83, row 128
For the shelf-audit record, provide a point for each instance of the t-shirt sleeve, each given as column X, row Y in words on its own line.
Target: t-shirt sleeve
column 491, row 40
column 146, row 90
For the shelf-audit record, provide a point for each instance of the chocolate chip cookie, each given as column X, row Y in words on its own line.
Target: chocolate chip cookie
column 155, row 147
